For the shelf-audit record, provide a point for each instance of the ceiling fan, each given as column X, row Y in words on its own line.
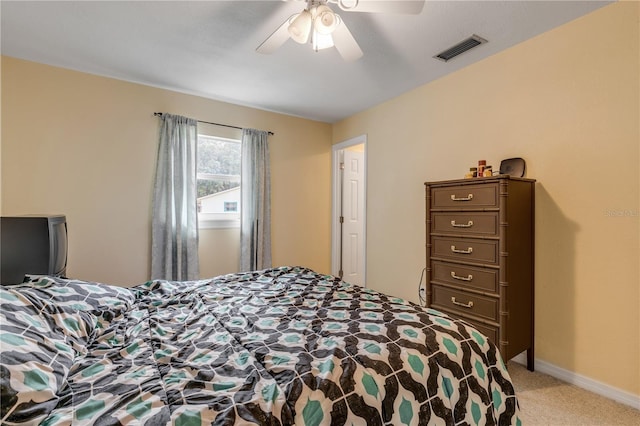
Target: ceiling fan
column 319, row 25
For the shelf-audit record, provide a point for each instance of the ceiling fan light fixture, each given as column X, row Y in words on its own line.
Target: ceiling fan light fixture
column 319, row 24
column 347, row 4
column 300, row 27
column 325, row 20
column 321, row 41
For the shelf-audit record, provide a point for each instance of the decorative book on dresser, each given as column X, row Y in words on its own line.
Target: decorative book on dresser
column 480, row 257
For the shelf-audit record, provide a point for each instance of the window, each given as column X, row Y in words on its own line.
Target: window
column 230, row 206
column 218, row 182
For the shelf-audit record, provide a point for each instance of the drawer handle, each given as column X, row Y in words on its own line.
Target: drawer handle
column 464, row 305
column 458, row 277
column 462, row 225
column 468, row 198
column 467, row 251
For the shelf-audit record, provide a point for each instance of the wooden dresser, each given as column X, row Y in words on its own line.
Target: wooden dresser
column 480, row 257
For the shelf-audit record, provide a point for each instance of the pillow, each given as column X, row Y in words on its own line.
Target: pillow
column 45, row 324
column 34, row 361
column 81, row 309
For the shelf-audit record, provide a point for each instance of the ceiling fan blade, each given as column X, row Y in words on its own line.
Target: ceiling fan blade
column 410, row 7
column 345, row 43
column 275, row 40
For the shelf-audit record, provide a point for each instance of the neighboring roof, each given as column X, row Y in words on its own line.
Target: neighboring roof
column 217, row 194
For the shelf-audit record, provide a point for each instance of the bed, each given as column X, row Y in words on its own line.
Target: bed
column 280, row 346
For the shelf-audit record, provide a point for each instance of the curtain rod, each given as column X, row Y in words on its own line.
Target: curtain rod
column 159, row 114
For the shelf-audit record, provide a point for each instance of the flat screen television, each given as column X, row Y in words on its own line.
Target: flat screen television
column 32, row 245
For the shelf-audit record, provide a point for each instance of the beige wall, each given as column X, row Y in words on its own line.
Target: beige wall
column 85, row 146
column 568, row 102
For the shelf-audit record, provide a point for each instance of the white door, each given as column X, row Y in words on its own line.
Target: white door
column 348, row 225
column 353, row 212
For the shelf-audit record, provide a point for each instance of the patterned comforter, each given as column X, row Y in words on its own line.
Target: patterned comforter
column 281, row 346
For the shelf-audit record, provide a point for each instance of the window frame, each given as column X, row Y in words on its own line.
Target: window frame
column 220, row 220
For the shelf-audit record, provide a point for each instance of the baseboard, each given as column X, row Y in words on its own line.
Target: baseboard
column 583, row 382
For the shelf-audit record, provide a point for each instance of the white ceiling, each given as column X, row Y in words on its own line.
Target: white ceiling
column 207, row 48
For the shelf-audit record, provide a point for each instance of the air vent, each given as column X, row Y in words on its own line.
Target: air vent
column 460, row 48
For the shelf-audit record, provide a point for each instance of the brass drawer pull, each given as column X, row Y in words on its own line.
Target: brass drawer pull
column 458, row 277
column 462, row 225
column 464, row 305
column 468, row 198
column 467, row 251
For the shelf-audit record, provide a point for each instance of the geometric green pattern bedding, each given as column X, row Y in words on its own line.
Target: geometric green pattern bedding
column 280, row 346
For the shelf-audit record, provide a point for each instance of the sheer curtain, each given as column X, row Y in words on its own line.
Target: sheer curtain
column 255, row 224
column 174, row 237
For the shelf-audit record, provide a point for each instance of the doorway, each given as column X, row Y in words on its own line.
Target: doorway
column 348, row 245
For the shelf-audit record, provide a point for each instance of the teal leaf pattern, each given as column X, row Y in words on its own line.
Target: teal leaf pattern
column 72, row 324
column 8, row 296
column 326, row 367
column 173, row 378
column 139, row 408
column 411, row 333
column 372, row 328
column 133, row 348
column 478, row 337
column 223, row 386
column 372, row 348
column 89, row 409
column 51, row 420
column 406, row 412
column 278, row 360
column 93, row 370
column 451, row 347
column 416, row 364
column 476, row 413
column 312, row 413
column 497, row 399
column 447, row 387
column 370, row 385
column 189, row 418
column 479, row 369
column 12, row 339
column 270, row 393
column 36, row 380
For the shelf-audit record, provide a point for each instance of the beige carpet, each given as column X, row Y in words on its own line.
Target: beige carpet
column 545, row 400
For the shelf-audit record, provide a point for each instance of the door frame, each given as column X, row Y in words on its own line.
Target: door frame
column 335, row 202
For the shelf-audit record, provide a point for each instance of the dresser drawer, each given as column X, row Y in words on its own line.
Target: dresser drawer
column 465, row 250
column 461, row 223
column 465, row 303
column 465, row 196
column 468, row 276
